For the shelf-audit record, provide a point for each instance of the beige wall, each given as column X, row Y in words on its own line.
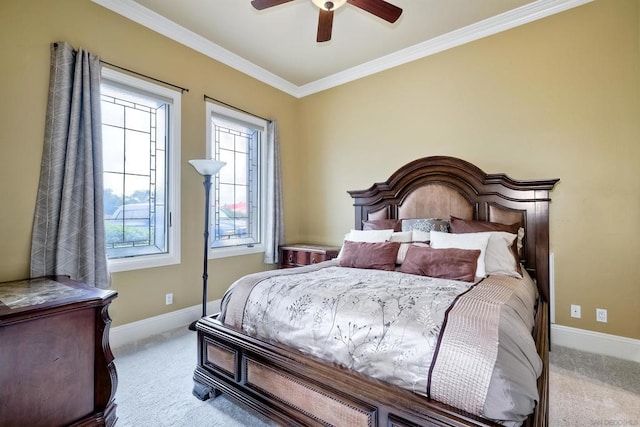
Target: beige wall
column 555, row 98
column 27, row 28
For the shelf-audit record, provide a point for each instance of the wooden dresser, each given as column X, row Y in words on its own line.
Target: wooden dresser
column 56, row 366
column 300, row 254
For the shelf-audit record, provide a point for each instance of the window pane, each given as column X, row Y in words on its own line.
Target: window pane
column 138, row 119
column 227, row 173
column 113, row 190
column 241, row 160
column 235, row 210
column 227, row 141
column 112, row 114
column 113, row 152
column 227, row 193
column 135, row 174
column 137, row 152
column 241, row 145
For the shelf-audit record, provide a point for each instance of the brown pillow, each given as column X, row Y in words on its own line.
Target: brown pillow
column 452, row 263
column 459, row 225
column 379, row 256
column 382, row 224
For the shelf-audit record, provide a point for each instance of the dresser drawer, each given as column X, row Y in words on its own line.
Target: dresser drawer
column 316, row 257
column 287, row 258
column 302, row 257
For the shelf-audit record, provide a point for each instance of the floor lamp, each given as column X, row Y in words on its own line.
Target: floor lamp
column 206, row 168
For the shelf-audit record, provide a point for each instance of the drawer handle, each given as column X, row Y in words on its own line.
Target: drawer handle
column 290, row 257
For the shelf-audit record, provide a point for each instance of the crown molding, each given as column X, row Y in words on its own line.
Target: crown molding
column 158, row 23
column 496, row 24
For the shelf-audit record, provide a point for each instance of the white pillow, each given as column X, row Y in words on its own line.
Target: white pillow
column 401, row 236
column 371, row 236
column 421, row 236
column 405, row 238
column 499, row 258
column 520, row 238
column 440, row 240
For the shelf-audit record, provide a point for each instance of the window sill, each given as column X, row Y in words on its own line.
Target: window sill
column 235, row 251
column 138, row 263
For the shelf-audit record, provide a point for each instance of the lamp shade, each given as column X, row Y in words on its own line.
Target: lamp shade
column 207, row 166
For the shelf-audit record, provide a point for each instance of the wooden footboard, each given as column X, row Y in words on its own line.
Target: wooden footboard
column 295, row 389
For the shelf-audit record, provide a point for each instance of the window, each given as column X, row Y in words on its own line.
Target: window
column 237, row 193
column 141, row 158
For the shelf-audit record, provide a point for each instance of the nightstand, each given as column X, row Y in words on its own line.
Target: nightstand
column 300, row 254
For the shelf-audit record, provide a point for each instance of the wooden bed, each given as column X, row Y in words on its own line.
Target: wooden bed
column 295, row 389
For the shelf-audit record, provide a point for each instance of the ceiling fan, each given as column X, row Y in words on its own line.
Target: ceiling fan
column 379, row 8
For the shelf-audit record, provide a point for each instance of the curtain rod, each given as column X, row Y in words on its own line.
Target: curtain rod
column 234, row 107
column 182, row 89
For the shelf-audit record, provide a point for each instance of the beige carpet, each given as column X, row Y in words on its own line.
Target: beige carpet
column 154, row 388
column 155, row 383
column 587, row 389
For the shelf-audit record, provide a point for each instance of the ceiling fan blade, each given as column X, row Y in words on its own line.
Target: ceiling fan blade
column 325, row 24
column 263, row 4
column 380, row 8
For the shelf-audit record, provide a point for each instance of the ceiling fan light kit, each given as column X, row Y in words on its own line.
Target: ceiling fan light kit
column 379, row 8
column 329, row 5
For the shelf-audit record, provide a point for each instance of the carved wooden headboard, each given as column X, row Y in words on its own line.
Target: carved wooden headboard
column 439, row 186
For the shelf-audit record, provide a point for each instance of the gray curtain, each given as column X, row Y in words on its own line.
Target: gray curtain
column 275, row 221
column 68, row 230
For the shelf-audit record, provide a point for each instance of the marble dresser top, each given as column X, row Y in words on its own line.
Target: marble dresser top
column 29, row 292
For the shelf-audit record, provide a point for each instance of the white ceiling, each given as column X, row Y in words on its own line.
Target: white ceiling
column 278, row 45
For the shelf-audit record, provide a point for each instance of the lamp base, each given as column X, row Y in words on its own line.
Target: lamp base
column 192, row 326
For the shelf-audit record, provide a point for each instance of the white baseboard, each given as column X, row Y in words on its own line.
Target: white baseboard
column 131, row 332
column 596, row 342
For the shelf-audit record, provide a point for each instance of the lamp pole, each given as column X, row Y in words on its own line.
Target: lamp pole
column 205, row 266
column 206, row 168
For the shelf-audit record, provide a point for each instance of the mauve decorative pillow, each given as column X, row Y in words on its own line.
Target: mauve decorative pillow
column 378, row 255
column 472, row 241
column 453, row 263
column 459, row 225
column 382, row 224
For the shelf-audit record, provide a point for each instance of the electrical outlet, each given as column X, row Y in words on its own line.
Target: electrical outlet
column 601, row 315
column 575, row 311
column 168, row 299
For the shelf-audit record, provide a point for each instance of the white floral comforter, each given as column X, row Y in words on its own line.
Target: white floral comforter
column 385, row 325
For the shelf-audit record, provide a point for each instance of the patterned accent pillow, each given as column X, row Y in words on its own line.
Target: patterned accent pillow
column 425, row 224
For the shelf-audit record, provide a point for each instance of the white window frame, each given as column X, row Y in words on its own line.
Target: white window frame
column 173, row 173
column 261, row 125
